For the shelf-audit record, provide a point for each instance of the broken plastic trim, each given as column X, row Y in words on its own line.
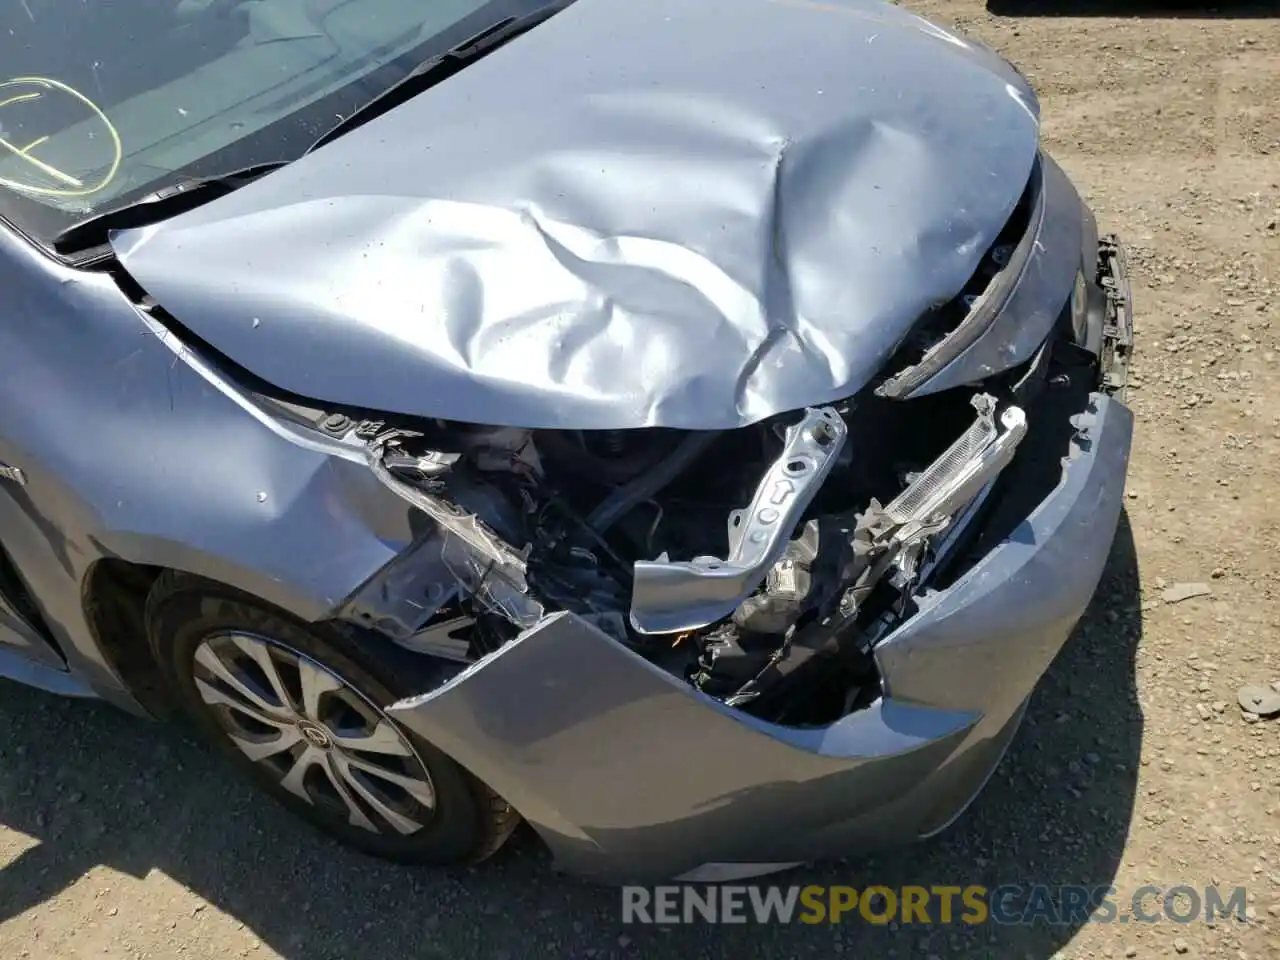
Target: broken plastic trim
column 485, row 565
column 668, row 596
column 447, row 639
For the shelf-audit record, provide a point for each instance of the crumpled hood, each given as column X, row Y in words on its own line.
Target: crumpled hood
column 640, row 213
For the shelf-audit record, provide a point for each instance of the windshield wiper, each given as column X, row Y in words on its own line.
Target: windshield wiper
column 94, row 231
column 431, row 71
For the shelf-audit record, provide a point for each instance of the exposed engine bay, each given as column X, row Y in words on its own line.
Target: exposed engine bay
column 761, row 564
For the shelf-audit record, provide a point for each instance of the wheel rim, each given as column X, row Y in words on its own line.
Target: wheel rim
column 316, row 734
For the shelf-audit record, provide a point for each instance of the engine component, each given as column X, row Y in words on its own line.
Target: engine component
column 684, row 595
column 645, row 486
column 729, row 661
column 787, row 589
column 577, row 452
column 505, row 449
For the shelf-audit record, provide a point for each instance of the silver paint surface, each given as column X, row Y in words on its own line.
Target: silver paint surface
column 626, row 217
column 136, row 449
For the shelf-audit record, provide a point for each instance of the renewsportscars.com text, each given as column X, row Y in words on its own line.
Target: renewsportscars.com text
column 941, row 904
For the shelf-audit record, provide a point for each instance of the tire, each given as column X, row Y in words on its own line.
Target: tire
column 209, row 641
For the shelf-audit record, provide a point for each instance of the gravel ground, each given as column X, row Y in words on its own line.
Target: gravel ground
column 121, row 838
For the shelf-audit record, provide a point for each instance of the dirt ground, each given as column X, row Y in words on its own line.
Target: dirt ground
column 119, row 838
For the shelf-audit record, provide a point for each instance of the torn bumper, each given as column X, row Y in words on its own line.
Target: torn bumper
column 628, row 773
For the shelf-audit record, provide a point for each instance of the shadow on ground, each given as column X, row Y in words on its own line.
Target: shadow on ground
column 95, row 786
column 1203, row 9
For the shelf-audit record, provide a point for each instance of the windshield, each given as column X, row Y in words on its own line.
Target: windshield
column 101, row 103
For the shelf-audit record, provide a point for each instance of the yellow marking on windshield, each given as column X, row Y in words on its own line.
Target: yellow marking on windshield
column 19, row 98
column 73, row 186
column 42, row 166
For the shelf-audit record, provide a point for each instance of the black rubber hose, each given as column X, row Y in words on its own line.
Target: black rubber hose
column 590, row 466
column 649, row 483
column 624, row 568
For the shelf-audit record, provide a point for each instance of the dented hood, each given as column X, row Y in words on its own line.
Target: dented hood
column 662, row 213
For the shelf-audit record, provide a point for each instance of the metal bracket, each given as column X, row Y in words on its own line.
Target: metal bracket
column 669, row 596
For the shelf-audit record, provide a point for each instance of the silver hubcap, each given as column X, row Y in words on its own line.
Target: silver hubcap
column 319, row 736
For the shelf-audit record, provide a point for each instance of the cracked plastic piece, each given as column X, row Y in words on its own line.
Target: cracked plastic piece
column 671, row 596
column 448, row 639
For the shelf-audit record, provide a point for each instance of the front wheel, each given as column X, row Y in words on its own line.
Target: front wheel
column 302, row 712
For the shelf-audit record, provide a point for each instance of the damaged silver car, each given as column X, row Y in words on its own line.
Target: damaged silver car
column 649, row 420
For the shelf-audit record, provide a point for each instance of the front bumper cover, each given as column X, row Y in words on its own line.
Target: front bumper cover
column 628, row 773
